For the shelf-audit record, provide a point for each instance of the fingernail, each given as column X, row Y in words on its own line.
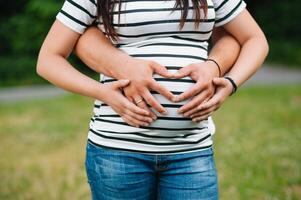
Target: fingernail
column 145, row 124
column 179, row 111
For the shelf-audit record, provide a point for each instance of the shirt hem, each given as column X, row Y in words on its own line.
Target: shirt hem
column 173, row 152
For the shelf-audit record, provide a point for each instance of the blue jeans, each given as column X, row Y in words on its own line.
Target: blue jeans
column 123, row 175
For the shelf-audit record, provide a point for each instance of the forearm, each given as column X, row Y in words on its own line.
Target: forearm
column 254, row 47
column 252, row 55
column 96, row 51
column 57, row 70
column 225, row 49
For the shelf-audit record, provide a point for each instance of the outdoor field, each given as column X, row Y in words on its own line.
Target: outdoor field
column 257, row 146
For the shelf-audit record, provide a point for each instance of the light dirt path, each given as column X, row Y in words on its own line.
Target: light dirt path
column 267, row 75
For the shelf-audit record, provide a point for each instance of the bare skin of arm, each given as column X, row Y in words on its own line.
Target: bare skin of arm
column 94, row 49
column 225, row 52
column 53, row 66
column 253, row 52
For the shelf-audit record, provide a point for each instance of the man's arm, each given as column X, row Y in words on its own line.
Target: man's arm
column 98, row 53
column 95, row 50
column 225, row 49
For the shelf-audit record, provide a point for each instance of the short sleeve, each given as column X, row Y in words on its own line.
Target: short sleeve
column 226, row 10
column 78, row 14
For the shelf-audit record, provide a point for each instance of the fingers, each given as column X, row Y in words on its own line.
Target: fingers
column 193, row 91
column 135, row 109
column 134, row 122
column 128, row 121
column 201, row 118
column 207, row 108
column 161, row 70
column 192, row 111
column 139, row 117
column 193, row 104
column 130, row 114
column 211, row 102
column 120, row 83
column 153, row 102
column 184, row 71
column 220, row 81
column 143, row 105
column 205, row 112
column 162, row 90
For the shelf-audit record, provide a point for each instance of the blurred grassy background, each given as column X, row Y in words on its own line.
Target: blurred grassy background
column 43, row 141
column 257, row 154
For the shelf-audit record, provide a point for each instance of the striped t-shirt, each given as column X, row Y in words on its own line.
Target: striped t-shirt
column 149, row 30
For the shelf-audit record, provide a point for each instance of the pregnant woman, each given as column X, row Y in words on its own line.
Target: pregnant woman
column 160, row 148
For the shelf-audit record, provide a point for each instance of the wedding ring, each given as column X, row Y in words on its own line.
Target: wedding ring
column 140, row 100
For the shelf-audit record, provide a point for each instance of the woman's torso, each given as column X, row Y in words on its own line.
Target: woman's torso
column 148, row 30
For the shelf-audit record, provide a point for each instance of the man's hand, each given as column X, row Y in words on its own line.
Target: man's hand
column 140, row 73
column 202, row 73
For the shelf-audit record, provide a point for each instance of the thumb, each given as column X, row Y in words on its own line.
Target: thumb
column 183, row 72
column 161, row 70
column 120, row 83
column 219, row 81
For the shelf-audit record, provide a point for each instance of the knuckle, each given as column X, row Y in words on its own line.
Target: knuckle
column 139, row 89
column 192, row 65
column 140, row 117
column 151, row 62
column 150, row 81
column 126, row 112
column 207, row 85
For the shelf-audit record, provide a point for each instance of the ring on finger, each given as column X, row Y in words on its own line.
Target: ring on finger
column 139, row 101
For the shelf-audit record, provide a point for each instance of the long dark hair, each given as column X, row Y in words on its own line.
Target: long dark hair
column 105, row 10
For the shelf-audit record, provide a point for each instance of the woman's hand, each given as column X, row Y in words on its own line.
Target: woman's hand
column 222, row 92
column 128, row 111
column 203, row 89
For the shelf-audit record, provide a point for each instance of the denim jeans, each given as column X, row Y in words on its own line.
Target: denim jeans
column 122, row 175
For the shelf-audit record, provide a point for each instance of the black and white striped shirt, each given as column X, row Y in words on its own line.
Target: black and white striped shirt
column 149, row 30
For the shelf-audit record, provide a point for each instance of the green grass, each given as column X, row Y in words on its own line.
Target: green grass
column 257, row 146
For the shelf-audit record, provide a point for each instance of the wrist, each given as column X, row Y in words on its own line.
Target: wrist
column 234, row 85
column 211, row 67
column 120, row 66
column 216, row 66
column 101, row 92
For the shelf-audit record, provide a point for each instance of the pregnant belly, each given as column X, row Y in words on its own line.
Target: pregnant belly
column 172, row 121
column 173, row 58
column 172, row 118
